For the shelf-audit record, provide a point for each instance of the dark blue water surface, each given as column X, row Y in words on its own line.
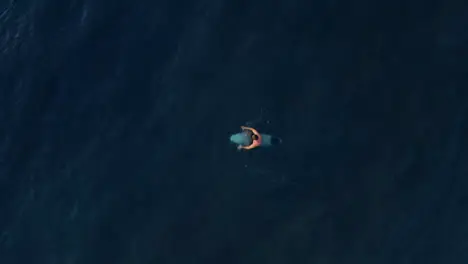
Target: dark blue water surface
column 116, row 116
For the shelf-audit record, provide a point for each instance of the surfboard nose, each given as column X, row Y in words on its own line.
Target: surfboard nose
column 239, row 139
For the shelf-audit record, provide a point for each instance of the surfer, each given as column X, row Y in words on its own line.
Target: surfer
column 249, row 138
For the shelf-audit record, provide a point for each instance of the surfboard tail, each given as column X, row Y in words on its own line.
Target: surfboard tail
column 269, row 140
column 276, row 141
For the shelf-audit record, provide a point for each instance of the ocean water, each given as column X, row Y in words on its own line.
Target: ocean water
column 116, row 116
